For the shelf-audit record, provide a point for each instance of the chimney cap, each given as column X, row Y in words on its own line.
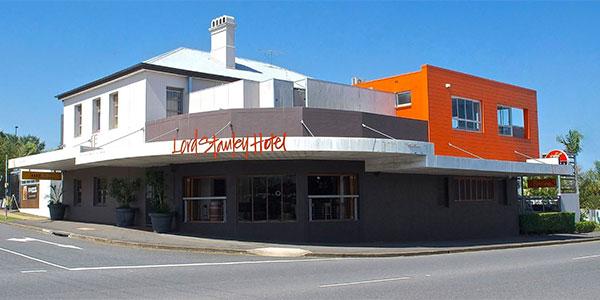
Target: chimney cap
column 221, row 21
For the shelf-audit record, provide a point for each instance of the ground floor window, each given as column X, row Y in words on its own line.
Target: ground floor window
column 204, row 199
column 100, row 191
column 333, row 197
column 473, row 189
column 267, row 198
column 76, row 192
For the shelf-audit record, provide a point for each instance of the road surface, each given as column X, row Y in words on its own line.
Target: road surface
column 34, row 265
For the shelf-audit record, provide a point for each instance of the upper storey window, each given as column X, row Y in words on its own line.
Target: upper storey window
column 174, row 101
column 97, row 114
column 77, row 123
column 403, row 99
column 466, row 114
column 511, row 121
column 114, row 110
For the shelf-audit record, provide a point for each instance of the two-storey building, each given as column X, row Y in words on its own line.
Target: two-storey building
column 255, row 151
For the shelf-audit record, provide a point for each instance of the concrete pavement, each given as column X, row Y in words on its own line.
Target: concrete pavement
column 44, row 266
column 146, row 239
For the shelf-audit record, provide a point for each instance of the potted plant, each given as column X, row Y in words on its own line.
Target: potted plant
column 124, row 191
column 161, row 217
column 55, row 205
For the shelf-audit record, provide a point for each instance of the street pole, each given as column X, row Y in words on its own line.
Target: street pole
column 17, row 130
column 5, row 187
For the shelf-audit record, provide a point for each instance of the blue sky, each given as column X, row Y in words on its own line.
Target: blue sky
column 50, row 47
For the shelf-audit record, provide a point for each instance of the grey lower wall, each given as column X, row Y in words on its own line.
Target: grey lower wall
column 392, row 207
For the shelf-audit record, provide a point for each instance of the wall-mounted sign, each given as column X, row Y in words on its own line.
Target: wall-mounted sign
column 563, row 159
column 41, row 175
column 243, row 145
column 541, row 182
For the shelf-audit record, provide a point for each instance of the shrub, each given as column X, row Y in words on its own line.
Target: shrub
column 585, row 226
column 544, row 223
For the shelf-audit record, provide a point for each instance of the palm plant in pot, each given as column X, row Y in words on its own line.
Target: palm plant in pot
column 55, row 205
column 124, row 191
column 161, row 217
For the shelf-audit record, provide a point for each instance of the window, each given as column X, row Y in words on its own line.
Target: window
column 267, row 198
column 76, row 192
column 97, row 114
column 403, row 99
column 174, row 101
column 473, row 189
column 511, row 121
column 78, row 119
column 100, row 191
column 114, row 111
column 466, row 114
column 204, row 199
column 333, row 197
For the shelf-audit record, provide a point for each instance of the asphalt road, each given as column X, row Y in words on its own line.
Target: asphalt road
column 36, row 266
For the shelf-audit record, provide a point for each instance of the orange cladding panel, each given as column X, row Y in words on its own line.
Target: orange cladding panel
column 487, row 143
column 432, row 102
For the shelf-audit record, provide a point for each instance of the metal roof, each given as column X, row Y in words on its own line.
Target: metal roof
column 196, row 63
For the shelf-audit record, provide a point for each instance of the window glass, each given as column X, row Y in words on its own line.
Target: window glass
column 403, row 98
column 267, row 198
column 511, row 121
column 100, row 191
column 78, row 120
column 114, row 110
column 466, row 114
column 333, row 197
column 205, row 199
column 97, row 114
column 76, row 191
column 174, row 101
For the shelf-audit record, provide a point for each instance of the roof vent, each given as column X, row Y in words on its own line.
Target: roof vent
column 356, row 80
column 222, row 41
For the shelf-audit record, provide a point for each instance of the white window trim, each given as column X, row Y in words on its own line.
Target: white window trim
column 510, row 121
column 403, row 104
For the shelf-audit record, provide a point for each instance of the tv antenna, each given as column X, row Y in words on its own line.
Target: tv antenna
column 270, row 53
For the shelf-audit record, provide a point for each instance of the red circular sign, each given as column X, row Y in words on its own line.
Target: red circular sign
column 563, row 159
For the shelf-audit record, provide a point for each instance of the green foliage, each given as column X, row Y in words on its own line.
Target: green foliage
column 17, row 146
column 56, row 194
column 585, row 226
column 572, row 142
column 589, row 188
column 155, row 179
column 124, row 190
column 544, row 223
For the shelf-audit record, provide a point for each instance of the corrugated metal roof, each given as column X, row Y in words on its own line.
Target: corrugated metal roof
column 200, row 61
column 196, row 63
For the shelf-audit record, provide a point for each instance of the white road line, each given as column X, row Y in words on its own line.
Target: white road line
column 363, row 282
column 585, row 257
column 34, row 271
column 28, row 239
column 204, row 264
column 34, row 259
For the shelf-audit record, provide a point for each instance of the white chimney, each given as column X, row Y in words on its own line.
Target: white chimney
column 222, row 41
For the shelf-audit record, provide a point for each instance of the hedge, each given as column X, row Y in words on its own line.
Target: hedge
column 585, row 226
column 544, row 223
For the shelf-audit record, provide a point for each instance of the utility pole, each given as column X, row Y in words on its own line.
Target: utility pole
column 5, row 200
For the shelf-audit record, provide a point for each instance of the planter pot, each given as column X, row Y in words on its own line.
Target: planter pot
column 161, row 222
column 125, row 217
column 57, row 211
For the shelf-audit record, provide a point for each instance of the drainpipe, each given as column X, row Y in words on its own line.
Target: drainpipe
column 189, row 88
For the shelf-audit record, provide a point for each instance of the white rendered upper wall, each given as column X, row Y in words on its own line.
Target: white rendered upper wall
column 279, row 93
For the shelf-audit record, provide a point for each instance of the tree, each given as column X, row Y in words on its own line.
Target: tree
column 589, row 188
column 17, row 146
column 572, row 141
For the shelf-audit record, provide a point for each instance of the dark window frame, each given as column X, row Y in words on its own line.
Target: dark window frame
column 100, row 192
column 282, row 203
column 340, row 198
column 195, row 203
column 474, row 189
column 170, row 91
column 77, row 192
